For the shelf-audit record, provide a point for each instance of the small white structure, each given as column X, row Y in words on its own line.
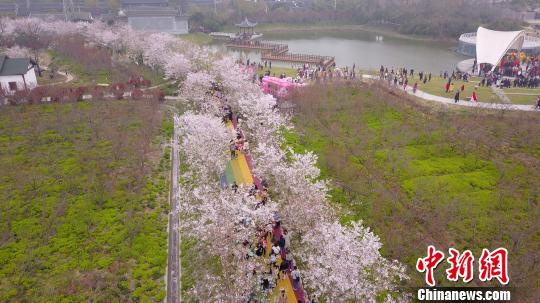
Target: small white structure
column 17, row 74
column 491, row 46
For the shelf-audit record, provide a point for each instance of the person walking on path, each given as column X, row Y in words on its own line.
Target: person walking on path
column 415, row 86
column 474, row 97
column 282, row 298
column 456, row 96
column 452, row 86
column 232, row 149
column 295, row 274
column 538, row 102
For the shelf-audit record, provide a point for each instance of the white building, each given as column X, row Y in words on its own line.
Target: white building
column 156, row 19
column 17, row 74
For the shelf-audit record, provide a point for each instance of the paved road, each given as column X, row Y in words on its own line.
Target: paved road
column 173, row 261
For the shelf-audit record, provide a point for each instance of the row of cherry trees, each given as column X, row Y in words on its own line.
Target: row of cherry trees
column 340, row 262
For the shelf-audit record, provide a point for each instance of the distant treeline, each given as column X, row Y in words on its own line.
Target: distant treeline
column 436, row 18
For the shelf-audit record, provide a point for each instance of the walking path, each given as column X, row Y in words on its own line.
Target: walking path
column 449, row 101
column 500, row 93
column 239, row 171
column 173, row 263
column 69, row 77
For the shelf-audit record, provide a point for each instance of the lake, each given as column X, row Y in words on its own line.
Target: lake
column 363, row 49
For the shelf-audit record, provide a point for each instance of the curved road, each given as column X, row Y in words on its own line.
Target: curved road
column 450, row 101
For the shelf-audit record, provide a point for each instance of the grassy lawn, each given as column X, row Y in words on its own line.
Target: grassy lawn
column 522, row 95
column 417, row 178
column 437, row 87
column 522, row 99
column 88, row 76
column 278, row 70
column 519, row 90
column 45, row 79
column 84, row 202
column 197, row 38
column 485, row 94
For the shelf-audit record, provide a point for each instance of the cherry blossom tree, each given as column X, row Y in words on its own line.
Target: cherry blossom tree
column 343, row 263
column 18, row 52
column 176, row 67
column 204, row 139
column 225, row 228
column 301, row 194
column 196, row 86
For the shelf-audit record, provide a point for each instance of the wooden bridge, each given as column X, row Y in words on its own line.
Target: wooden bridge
column 325, row 61
column 279, row 52
column 274, row 48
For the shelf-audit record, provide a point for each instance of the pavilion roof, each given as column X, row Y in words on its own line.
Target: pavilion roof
column 246, row 23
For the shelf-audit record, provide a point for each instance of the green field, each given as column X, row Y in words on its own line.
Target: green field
column 485, row 94
column 46, row 80
column 418, row 177
column 120, row 72
column 84, row 202
column 437, row 87
column 197, row 38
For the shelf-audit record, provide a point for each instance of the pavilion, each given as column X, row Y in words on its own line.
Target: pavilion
column 491, row 46
column 246, row 27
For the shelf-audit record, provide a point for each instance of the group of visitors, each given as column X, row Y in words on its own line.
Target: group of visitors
column 272, row 241
column 320, row 72
column 399, row 77
column 456, row 75
column 304, row 72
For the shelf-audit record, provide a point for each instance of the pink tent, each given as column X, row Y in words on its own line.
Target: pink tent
column 277, row 87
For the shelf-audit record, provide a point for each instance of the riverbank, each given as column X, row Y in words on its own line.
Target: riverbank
column 335, row 27
column 198, row 38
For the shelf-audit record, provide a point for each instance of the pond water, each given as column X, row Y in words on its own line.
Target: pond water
column 364, row 49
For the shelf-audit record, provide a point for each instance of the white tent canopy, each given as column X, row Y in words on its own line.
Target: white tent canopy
column 491, row 46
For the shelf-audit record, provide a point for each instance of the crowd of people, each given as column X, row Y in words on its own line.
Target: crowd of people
column 318, row 73
column 523, row 73
column 272, row 242
column 515, row 69
column 304, row 72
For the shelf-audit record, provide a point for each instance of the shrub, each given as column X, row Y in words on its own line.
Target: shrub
column 136, row 94
column 118, row 90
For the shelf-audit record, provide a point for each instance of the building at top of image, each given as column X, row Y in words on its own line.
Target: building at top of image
column 136, row 3
column 155, row 19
